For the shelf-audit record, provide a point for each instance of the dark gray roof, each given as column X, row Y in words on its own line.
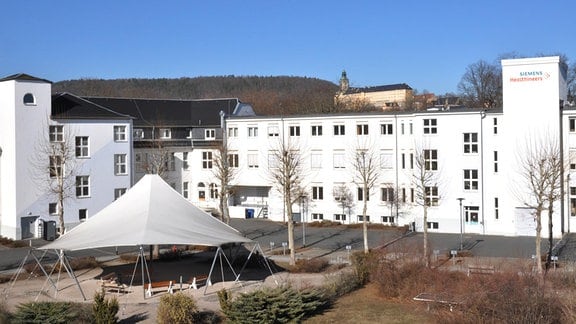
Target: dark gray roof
column 69, row 106
column 23, row 77
column 165, row 112
column 388, row 87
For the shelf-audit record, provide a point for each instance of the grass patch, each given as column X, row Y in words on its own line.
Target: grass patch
column 366, row 305
column 8, row 242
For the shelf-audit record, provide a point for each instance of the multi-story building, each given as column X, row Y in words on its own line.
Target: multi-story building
column 384, row 97
column 473, row 155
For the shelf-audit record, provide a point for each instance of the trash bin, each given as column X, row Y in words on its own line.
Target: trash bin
column 249, row 213
column 49, row 230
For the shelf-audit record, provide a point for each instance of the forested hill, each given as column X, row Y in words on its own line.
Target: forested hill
column 268, row 95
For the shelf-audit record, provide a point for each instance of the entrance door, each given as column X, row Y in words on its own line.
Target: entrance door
column 27, row 226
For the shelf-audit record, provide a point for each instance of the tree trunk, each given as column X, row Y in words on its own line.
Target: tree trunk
column 365, row 221
column 538, row 240
column 291, row 246
column 426, row 254
column 550, row 238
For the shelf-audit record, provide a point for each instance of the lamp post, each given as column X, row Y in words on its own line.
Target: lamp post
column 303, row 219
column 461, row 222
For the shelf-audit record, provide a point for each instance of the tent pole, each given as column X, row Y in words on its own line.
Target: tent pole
column 142, row 262
column 42, row 268
column 267, row 263
column 71, row 273
column 231, row 268
column 246, row 263
column 211, row 268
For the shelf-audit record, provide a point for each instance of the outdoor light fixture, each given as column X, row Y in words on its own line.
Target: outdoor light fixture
column 461, row 222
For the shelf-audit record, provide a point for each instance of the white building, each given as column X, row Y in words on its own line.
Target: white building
column 473, row 154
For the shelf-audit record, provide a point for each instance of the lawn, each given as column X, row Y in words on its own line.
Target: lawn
column 366, row 306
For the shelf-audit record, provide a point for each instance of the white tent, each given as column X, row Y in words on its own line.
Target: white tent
column 150, row 213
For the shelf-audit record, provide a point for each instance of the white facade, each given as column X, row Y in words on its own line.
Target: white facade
column 25, row 201
column 477, row 155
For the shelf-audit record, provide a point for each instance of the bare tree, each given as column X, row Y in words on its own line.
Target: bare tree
column 426, row 191
column 540, row 168
column 54, row 165
column 287, row 173
column 343, row 197
column 481, row 85
column 157, row 158
column 225, row 173
column 366, row 172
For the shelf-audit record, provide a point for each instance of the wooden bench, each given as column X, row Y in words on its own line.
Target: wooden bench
column 481, row 270
column 442, row 299
column 167, row 285
column 197, row 280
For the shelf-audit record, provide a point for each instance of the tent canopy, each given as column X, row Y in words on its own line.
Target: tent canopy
column 149, row 213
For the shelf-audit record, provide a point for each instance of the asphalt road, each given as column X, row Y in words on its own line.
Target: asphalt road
column 331, row 240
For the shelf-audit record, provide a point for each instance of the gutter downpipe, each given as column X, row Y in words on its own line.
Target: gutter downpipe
column 482, row 116
column 396, row 165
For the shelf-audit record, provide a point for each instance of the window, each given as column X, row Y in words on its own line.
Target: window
column 56, row 166
column 294, row 130
column 201, row 191
column 82, row 214
column 252, row 160
column 273, row 158
column 317, row 216
column 340, row 217
column 29, row 99
column 139, row 162
column 213, row 191
column 403, row 195
column 165, row 133
column 210, row 134
column 361, row 218
column 431, row 160
column 495, row 126
column 316, row 160
column 572, row 122
column 185, row 189
column 252, row 131
column 138, row 133
column 185, row 164
column 170, row 163
column 233, row 160
column 362, row 129
column 82, row 186
column 471, row 213
column 317, row 193
column 387, row 194
column 388, row 219
column 119, row 133
column 411, row 160
column 403, row 160
column 118, row 192
column 411, row 195
column 273, row 131
column 53, row 208
column 361, row 194
column 386, row 129
column 496, row 162
column 56, row 134
column 232, row 131
column 430, row 126
column 339, row 160
column 496, row 213
column 432, row 225
column 402, row 128
column 471, row 179
column 386, row 159
column 431, row 196
column 339, row 130
column 470, row 143
column 120, row 164
column 206, row 160
column 316, row 130
column 411, row 128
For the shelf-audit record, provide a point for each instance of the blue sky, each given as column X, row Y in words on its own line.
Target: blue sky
column 426, row 44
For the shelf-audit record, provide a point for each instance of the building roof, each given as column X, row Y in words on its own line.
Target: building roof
column 148, row 112
column 165, row 112
column 69, row 106
column 388, row 87
column 23, row 77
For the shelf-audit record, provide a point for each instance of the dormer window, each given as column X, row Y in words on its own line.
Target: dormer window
column 165, row 133
column 210, row 134
column 29, row 99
